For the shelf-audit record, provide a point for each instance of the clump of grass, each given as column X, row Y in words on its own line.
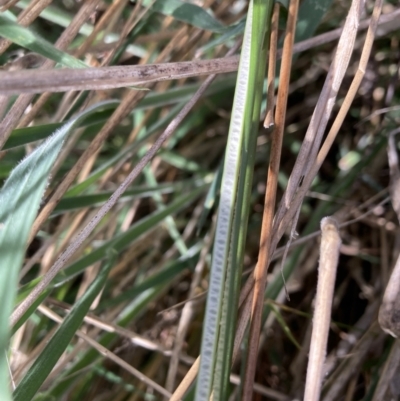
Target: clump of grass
column 129, row 250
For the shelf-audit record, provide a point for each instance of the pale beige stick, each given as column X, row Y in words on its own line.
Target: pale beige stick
column 372, row 339
column 330, row 249
column 389, row 312
column 186, row 381
column 107, row 353
column 393, row 160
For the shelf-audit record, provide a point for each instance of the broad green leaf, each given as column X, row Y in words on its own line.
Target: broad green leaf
column 48, row 357
column 28, row 39
column 19, row 201
column 310, row 15
column 187, row 12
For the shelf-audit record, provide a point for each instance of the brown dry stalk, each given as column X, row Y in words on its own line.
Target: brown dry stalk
column 60, row 80
column 6, row 4
column 260, row 273
column 322, row 111
column 329, row 257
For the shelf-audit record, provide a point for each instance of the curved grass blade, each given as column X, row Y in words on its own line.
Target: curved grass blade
column 23, row 136
column 92, row 200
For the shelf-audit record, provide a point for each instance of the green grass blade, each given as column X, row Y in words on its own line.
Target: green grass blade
column 186, row 12
column 26, row 38
column 225, row 217
column 259, row 46
column 47, row 359
column 310, row 15
column 84, row 201
column 23, row 136
column 120, row 242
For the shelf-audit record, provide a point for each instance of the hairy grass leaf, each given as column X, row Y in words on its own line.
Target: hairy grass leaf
column 19, row 200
